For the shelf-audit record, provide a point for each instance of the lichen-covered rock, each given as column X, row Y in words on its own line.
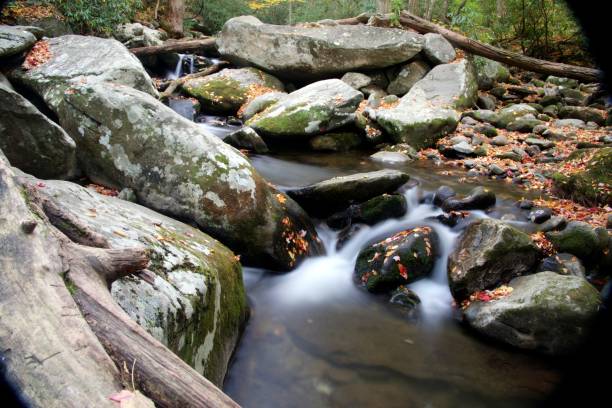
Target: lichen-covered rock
column 127, row 138
column 488, row 253
column 408, row 75
column 356, row 79
column 429, row 110
column 137, row 35
column 546, row 312
column 590, row 186
column 314, row 52
column 328, row 196
column 14, row 40
column 437, row 49
column 77, row 59
column 489, row 72
column 192, row 300
column 30, row 140
column 336, row 142
column 228, row 90
column 315, row 109
column 398, row 260
column 258, row 104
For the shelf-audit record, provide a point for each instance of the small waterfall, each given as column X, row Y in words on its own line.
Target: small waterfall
column 330, row 277
column 178, row 70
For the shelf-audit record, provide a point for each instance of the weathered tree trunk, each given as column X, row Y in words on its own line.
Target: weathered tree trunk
column 173, row 18
column 430, row 7
column 51, row 352
column 444, row 11
column 186, row 46
column 498, row 54
column 413, row 7
column 500, row 8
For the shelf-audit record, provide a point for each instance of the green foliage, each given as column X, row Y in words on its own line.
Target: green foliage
column 97, row 16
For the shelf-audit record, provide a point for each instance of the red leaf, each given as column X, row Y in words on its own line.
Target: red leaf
column 402, row 270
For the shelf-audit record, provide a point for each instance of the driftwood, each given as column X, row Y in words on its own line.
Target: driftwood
column 186, row 46
column 497, row 54
column 172, row 85
column 66, row 343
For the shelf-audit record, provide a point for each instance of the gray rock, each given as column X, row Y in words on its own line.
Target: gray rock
column 583, row 113
column 541, row 143
column 229, row 89
column 488, row 253
column 408, row 75
column 391, row 157
column 524, row 124
column 371, row 212
column 329, row 196
column 77, row 59
column 500, row 140
column 31, row 141
column 577, row 123
column 486, row 102
column 14, row 40
column 482, row 115
column 429, row 110
column 356, row 80
column 563, row 264
column 560, row 81
column 405, row 298
column 137, row 35
column 545, row 312
column 555, row 223
column 247, row 138
column 496, row 170
column 127, row 138
column 488, row 72
column 314, row 52
column 191, row 299
column 540, row 215
column 479, row 198
column 509, row 114
column 437, row 49
column 442, row 194
column 315, row 109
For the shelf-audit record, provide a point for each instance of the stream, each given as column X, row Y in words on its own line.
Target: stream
column 317, row 339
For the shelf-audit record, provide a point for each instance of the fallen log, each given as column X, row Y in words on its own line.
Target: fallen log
column 186, row 46
column 65, row 342
column 497, row 54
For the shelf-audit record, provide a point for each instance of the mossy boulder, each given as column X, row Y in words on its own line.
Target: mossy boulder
column 593, row 184
column 329, row 196
column 546, row 312
column 488, row 253
column 511, row 113
column 259, row 103
column 312, row 110
column 578, row 238
column 127, row 138
column 430, row 109
column 77, row 59
column 583, row 113
column 371, row 212
column 398, row 260
column 228, row 90
column 191, row 298
column 489, row 72
column 30, row 140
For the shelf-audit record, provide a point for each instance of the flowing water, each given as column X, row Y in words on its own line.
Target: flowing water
column 316, row 339
column 180, row 70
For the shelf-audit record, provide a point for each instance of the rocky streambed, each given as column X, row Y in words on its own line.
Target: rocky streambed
column 393, row 212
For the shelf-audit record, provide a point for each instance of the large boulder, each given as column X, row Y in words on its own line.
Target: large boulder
column 30, row 140
column 126, row 138
column 398, row 260
column 192, row 297
column 546, row 312
column 578, row 238
column 315, row 51
column 489, row 252
column 315, row 109
column 77, row 59
column 328, row 196
column 14, row 40
column 592, row 185
column 430, row 109
column 228, row 90
column 511, row 113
